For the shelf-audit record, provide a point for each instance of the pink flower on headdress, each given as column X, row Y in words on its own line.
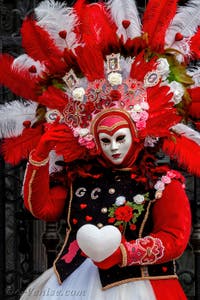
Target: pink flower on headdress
column 140, row 125
column 135, row 116
column 88, row 143
column 144, row 115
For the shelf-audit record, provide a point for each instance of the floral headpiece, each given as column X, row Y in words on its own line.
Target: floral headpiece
column 82, row 60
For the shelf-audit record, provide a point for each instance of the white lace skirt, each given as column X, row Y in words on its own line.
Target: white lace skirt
column 84, row 284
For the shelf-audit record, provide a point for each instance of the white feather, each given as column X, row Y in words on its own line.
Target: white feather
column 187, row 132
column 55, row 17
column 24, row 62
column 186, row 21
column 121, row 10
column 12, row 116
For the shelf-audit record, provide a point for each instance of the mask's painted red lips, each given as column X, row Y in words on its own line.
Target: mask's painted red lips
column 116, row 156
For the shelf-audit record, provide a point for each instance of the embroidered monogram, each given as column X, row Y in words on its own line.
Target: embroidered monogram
column 94, row 194
column 80, row 192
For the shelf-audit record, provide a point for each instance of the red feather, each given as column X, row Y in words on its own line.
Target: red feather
column 159, row 124
column 46, row 52
column 195, row 45
column 162, row 114
column 18, row 148
column 96, row 24
column 156, row 19
column 194, row 108
column 185, row 151
column 21, row 82
column 96, row 34
column 91, row 62
column 158, row 98
column 141, row 67
column 54, row 98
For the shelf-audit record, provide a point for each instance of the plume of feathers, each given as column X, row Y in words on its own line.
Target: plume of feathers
column 60, row 99
column 126, row 17
column 179, row 147
column 156, row 19
column 25, row 62
column 47, row 52
column 162, row 115
column 12, row 116
column 57, row 18
column 188, row 132
column 96, row 27
column 18, row 148
column 140, row 66
column 16, row 79
column 186, row 22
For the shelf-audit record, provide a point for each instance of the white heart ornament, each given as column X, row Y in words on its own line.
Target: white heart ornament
column 98, row 243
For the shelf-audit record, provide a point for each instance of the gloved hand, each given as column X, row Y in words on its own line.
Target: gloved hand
column 142, row 251
column 112, row 260
column 55, row 138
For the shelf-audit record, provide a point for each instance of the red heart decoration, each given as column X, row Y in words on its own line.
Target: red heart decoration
column 83, row 205
column 164, row 269
column 63, row 34
column 32, row 69
column 88, row 218
column 178, row 37
column 126, row 23
column 74, row 221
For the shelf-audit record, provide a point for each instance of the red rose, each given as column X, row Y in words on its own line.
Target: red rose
column 124, row 213
column 115, row 95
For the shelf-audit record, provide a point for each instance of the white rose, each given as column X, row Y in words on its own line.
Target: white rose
column 178, row 91
column 115, row 78
column 83, row 131
column 163, row 67
column 138, row 199
column 120, row 200
column 78, row 94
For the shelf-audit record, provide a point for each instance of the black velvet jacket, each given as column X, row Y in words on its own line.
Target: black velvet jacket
column 90, row 199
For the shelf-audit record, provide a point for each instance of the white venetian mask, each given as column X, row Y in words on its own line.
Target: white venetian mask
column 116, row 146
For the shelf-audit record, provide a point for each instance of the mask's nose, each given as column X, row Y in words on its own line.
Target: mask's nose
column 114, row 145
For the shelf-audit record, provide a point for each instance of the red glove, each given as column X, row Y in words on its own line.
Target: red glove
column 143, row 251
column 56, row 137
column 114, row 259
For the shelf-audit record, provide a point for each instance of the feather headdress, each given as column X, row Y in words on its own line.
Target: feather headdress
column 83, row 60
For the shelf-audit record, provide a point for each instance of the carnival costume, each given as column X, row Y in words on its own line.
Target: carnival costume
column 93, row 75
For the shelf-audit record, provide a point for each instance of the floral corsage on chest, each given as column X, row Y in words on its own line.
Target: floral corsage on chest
column 125, row 213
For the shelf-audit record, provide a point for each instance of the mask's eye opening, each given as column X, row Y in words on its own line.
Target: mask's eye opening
column 120, row 138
